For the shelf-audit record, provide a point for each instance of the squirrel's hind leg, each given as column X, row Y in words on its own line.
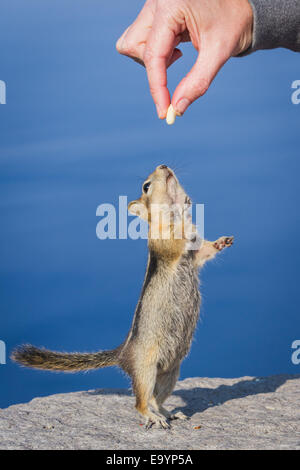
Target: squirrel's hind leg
column 165, row 383
column 143, row 387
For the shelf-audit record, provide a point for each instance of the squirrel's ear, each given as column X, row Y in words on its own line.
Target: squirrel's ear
column 138, row 208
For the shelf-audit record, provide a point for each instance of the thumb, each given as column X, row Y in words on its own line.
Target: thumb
column 198, row 80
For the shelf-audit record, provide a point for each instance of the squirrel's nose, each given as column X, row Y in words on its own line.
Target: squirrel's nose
column 163, row 166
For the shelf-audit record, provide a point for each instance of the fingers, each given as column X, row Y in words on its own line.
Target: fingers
column 198, row 80
column 132, row 44
column 119, row 43
column 156, row 49
column 133, row 40
column 151, row 42
column 159, row 53
column 175, row 56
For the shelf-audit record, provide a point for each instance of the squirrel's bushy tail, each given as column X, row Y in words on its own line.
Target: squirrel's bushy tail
column 30, row 356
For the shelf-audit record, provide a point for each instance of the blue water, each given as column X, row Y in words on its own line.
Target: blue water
column 79, row 129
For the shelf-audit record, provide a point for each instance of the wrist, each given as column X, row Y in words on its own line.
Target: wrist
column 246, row 15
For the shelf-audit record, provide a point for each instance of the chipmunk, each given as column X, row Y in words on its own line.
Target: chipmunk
column 168, row 308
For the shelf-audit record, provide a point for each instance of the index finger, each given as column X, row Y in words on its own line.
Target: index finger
column 159, row 48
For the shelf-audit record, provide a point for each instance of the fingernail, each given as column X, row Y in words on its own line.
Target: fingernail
column 182, row 105
column 159, row 112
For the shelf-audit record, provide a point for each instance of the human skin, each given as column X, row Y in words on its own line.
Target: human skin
column 218, row 29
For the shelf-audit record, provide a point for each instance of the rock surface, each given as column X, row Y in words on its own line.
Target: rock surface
column 243, row 413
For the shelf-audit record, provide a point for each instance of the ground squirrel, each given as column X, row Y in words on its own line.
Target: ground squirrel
column 167, row 311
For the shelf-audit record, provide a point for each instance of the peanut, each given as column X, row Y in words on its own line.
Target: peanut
column 171, row 115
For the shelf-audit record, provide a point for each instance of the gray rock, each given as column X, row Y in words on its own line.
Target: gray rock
column 243, row 413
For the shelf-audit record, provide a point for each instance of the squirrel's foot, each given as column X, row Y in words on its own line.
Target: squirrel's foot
column 178, row 415
column 171, row 416
column 156, row 421
column 223, row 242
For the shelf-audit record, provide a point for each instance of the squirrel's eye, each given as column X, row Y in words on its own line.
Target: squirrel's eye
column 146, row 187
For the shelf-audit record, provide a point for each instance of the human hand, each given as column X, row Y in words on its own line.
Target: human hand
column 218, row 29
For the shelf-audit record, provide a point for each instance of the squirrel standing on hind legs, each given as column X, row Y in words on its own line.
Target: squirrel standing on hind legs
column 168, row 308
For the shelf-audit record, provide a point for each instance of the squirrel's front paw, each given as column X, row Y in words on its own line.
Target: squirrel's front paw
column 223, row 242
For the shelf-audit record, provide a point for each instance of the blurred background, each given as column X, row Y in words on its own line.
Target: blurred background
column 79, row 129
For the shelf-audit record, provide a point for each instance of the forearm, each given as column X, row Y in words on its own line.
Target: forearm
column 276, row 23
